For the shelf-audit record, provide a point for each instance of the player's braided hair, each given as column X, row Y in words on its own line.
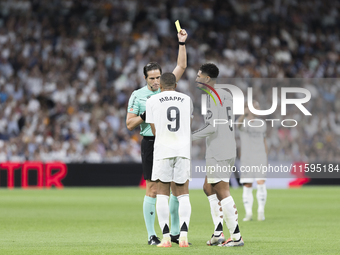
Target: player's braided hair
column 151, row 66
column 210, row 70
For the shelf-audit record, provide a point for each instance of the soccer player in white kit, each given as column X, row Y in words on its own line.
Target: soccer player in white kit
column 136, row 117
column 254, row 152
column 220, row 153
column 169, row 114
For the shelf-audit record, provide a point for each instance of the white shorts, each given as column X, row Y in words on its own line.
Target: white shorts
column 220, row 170
column 249, row 172
column 175, row 169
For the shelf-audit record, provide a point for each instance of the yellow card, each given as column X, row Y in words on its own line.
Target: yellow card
column 178, row 26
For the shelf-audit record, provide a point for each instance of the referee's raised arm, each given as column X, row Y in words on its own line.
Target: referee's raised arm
column 182, row 55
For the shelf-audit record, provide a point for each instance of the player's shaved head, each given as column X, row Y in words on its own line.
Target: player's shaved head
column 151, row 66
column 210, row 70
column 168, row 80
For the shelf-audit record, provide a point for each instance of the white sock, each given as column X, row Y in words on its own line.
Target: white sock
column 162, row 208
column 261, row 196
column 216, row 214
column 231, row 217
column 184, row 211
column 248, row 200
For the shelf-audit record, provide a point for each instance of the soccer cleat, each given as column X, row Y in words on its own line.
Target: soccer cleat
column 174, row 239
column 154, row 240
column 216, row 240
column 248, row 217
column 231, row 243
column 165, row 243
column 260, row 216
column 183, row 241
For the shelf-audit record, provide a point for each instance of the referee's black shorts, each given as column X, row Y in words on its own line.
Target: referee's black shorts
column 147, row 156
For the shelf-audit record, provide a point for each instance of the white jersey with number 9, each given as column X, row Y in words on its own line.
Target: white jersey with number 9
column 170, row 112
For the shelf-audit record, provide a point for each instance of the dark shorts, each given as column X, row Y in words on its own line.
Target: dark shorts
column 147, row 156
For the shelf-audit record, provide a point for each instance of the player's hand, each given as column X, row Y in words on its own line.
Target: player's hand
column 143, row 115
column 182, row 35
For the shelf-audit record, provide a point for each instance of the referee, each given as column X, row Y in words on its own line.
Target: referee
column 136, row 117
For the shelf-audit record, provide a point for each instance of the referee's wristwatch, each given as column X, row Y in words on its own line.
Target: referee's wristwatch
column 143, row 115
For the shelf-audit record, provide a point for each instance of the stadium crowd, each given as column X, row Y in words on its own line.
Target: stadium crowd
column 68, row 67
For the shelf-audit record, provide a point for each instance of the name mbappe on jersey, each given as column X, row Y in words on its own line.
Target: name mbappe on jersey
column 170, row 98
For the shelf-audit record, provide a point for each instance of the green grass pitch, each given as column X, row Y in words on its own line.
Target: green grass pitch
column 110, row 221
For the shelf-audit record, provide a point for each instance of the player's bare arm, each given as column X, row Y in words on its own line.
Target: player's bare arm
column 133, row 121
column 182, row 55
